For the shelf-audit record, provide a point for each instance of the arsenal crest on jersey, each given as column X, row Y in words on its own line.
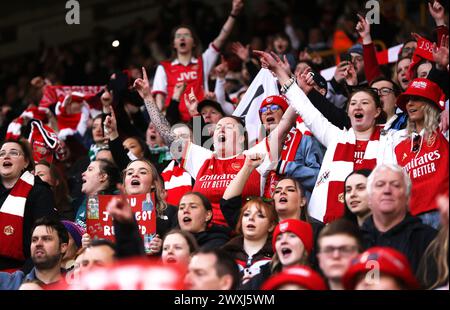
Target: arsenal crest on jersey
column 8, row 230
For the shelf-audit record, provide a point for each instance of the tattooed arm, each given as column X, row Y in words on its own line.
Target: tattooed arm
column 160, row 121
column 157, row 118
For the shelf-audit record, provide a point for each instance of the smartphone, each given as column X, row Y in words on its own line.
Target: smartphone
column 319, row 80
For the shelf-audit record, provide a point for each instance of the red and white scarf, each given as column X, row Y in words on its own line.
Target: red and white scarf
column 45, row 143
column 288, row 152
column 54, row 93
column 11, row 218
column 15, row 127
column 327, row 200
column 177, row 182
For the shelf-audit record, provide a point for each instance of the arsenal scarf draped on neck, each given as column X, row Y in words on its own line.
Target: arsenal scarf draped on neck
column 11, row 218
column 328, row 195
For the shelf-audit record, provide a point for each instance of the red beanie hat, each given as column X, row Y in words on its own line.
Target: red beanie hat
column 423, row 88
column 300, row 275
column 390, row 261
column 278, row 100
column 302, row 229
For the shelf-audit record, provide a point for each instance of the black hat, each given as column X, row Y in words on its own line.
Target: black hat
column 210, row 103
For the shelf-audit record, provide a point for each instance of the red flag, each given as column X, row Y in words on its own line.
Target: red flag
column 423, row 51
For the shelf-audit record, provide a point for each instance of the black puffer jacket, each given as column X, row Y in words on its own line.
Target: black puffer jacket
column 214, row 237
column 236, row 249
column 410, row 237
column 256, row 262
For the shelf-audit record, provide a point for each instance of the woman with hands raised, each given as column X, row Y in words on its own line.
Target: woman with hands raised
column 186, row 65
column 362, row 146
column 213, row 171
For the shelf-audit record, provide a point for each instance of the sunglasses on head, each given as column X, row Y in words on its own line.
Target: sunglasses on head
column 264, row 199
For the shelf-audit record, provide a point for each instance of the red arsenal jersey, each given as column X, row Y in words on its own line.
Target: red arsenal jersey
column 195, row 75
column 427, row 164
column 213, row 175
column 192, row 75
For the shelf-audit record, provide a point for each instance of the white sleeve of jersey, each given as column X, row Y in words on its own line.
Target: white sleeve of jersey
column 160, row 81
column 194, row 158
column 209, row 60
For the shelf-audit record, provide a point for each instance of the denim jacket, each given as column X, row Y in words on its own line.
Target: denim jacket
column 306, row 166
column 12, row 281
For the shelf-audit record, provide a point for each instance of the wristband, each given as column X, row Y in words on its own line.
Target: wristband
column 233, row 16
column 288, row 84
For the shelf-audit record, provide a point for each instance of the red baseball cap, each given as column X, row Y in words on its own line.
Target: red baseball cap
column 301, row 275
column 423, row 88
column 302, row 229
column 278, row 100
column 390, row 261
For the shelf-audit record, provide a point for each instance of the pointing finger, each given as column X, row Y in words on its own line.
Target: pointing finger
column 144, row 74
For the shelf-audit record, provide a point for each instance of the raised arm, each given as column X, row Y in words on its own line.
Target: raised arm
column 162, row 125
column 371, row 68
column 229, row 24
column 219, row 90
column 320, row 127
column 236, row 186
column 437, row 12
column 281, row 69
column 115, row 144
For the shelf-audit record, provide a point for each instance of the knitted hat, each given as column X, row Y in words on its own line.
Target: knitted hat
column 300, row 275
column 389, row 260
column 357, row 49
column 423, row 88
column 302, row 229
column 281, row 101
column 75, row 230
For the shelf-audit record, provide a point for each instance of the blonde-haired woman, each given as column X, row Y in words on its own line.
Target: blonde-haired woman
column 423, row 150
column 141, row 177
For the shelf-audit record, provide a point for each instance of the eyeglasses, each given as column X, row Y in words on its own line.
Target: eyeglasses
column 272, row 107
column 345, row 250
column 182, row 35
column 385, row 91
column 12, row 154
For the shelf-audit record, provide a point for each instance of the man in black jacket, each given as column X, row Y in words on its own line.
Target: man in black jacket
column 390, row 224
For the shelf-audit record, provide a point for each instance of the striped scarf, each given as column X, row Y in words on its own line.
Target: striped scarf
column 45, row 143
column 11, row 218
column 288, row 152
column 177, row 182
column 15, row 127
column 327, row 200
